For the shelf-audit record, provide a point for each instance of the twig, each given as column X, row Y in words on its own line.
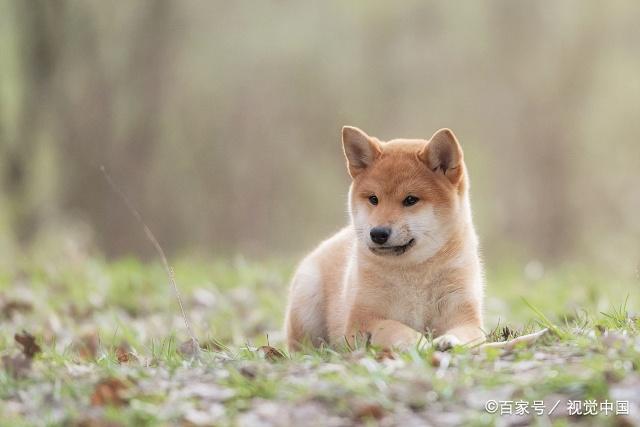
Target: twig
column 156, row 245
column 510, row 344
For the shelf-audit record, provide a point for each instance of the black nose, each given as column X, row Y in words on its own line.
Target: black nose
column 380, row 235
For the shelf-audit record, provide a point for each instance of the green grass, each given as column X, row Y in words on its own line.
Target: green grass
column 82, row 310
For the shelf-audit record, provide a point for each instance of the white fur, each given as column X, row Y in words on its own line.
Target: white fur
column 446, row 341
column 307, row 287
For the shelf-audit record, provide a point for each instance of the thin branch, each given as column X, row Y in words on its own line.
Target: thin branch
column 156, row 245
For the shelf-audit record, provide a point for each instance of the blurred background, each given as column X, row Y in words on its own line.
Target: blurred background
column 221, row 121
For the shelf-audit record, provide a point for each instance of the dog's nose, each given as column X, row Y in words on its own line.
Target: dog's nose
column 380, row 235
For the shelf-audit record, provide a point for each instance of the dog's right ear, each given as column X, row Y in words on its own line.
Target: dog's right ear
column 359, row 149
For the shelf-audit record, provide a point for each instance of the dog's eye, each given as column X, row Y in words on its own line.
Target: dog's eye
column 410, row 201
column 373, row 200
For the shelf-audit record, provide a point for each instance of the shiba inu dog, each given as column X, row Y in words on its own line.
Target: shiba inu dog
column 408, row 262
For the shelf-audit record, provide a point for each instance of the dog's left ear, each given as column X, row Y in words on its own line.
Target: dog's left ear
column 443, row 154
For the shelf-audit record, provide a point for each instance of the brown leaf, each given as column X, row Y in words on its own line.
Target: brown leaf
column 440, row 358
column 87, row 346
column 271, row 353
column 97, row 422
column 368, row 411
column 249, row 371
column 16, row 366
column 109, row 391
column 123, row 353
column 189, row 348
column 28, row 343
column 10, row 307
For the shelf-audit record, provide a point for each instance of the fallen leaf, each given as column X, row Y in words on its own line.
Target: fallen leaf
column 28, row 342
column 271, row 353
column 97, row 422
column 368, row 411
column 249, row 371
column 9, row 308
column 109, row 391
column 440, row 359
column 87, row 346
column 189, row 348
column 123, row 353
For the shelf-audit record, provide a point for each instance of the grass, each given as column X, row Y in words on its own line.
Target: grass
column 111, row 336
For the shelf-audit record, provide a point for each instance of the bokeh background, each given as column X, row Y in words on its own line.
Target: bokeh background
column 221, row 121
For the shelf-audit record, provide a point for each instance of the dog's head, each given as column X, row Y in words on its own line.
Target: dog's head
column 406, row 196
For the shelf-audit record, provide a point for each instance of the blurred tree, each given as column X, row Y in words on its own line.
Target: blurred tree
column 39, row 21
column 221, row 120
column 112, row 118
column 549, row 103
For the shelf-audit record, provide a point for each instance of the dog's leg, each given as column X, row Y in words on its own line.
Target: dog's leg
column 384, row 333
column 460, row 335
column 459, row 324
column 390, row 333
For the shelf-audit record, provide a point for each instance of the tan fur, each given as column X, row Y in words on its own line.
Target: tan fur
column 344, row 289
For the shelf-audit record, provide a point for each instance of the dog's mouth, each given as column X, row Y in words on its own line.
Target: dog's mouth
column 392, row 250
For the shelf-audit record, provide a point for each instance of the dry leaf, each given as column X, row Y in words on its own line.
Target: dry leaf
column 249, row 371
column 109, row 391
column 87, row 346
column 9, row 308
column 97, row 422
column 271, row 353
column 368, row 411
column 123, row 353
column 189, row 348
column 440, row 359
column 28, row 343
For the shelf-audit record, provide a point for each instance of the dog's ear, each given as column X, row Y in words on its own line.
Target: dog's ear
column 443, row 154
column 359, row 149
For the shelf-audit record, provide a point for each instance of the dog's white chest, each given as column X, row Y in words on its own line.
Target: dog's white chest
column 411, row 305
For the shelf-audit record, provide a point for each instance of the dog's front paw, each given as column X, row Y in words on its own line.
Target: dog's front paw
column 446, row 341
